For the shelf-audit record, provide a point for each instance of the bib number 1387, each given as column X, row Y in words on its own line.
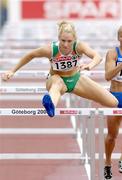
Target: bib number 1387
column 66, row 64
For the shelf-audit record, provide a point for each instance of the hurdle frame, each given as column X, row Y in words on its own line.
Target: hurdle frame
column 80, row 112
column 59, row 111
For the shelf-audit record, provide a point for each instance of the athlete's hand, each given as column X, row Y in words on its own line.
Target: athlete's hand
column 8, row 75
column 85, row 67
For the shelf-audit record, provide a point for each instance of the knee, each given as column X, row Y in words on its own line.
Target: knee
column 53, row 82
column 56, row 86
column 111, row 137
column 114, row 103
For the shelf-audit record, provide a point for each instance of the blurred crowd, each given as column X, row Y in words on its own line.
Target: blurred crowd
column 3, row 12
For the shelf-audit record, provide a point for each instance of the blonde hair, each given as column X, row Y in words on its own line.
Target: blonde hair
column 65, row 26
column 120, row 29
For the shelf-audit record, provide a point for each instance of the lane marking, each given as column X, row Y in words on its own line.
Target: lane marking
column 37, row 131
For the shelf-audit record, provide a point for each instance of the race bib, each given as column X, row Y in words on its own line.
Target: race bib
column 118, row 77
column 64, row 65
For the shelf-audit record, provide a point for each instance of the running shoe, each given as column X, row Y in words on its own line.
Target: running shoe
column 107, row 172
column 120, row 166
column 48, row 104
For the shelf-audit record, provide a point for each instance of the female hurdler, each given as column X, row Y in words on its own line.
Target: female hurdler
column 64, row 76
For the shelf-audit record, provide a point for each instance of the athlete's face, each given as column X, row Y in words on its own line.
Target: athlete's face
column 66, row 41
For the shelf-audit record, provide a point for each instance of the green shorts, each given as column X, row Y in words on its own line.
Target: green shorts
column 71, row 81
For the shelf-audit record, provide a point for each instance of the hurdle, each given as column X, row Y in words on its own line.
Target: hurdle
column 41, row 112
column 69, row 111
column 105, row 112
column 90, row 112
column 85, row 155
column 100, row 112
column 22, row 89
column 29, row 74
column 31, row 92
column 42, row 73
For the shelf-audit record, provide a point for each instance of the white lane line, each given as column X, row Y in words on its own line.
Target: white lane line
column 23, row 156
column 63, row 156
column 45, row 130
column 37, row 131
column 114, row 155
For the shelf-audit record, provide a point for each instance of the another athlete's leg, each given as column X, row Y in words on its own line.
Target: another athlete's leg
column 120, row 164
column 113, row 124
column 56, row 88
column 89, row 89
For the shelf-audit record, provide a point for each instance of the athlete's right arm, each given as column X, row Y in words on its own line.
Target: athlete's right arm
column 111, row 70
column 44, row 51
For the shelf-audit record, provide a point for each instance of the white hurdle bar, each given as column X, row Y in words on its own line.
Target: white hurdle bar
column 29, row 74
column 42, row 111
column 43, row 73
column 5, row 90
column 22, row 89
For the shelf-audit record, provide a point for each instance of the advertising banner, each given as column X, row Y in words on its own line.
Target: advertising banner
column 71, row 9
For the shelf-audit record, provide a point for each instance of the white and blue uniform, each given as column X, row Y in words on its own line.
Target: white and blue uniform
column 118, row 78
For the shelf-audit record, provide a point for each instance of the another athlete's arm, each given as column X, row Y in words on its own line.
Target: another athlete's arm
column 111, row 70
column 84, row 48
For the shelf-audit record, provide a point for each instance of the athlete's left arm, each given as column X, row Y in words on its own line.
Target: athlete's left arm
column 83, row 48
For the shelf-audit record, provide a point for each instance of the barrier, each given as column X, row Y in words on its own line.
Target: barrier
column 25, row 89
column 30, row 74
column 80, row 112
column 41, row 112
column 110, row 111
column 22, row 89
column 42, row 73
